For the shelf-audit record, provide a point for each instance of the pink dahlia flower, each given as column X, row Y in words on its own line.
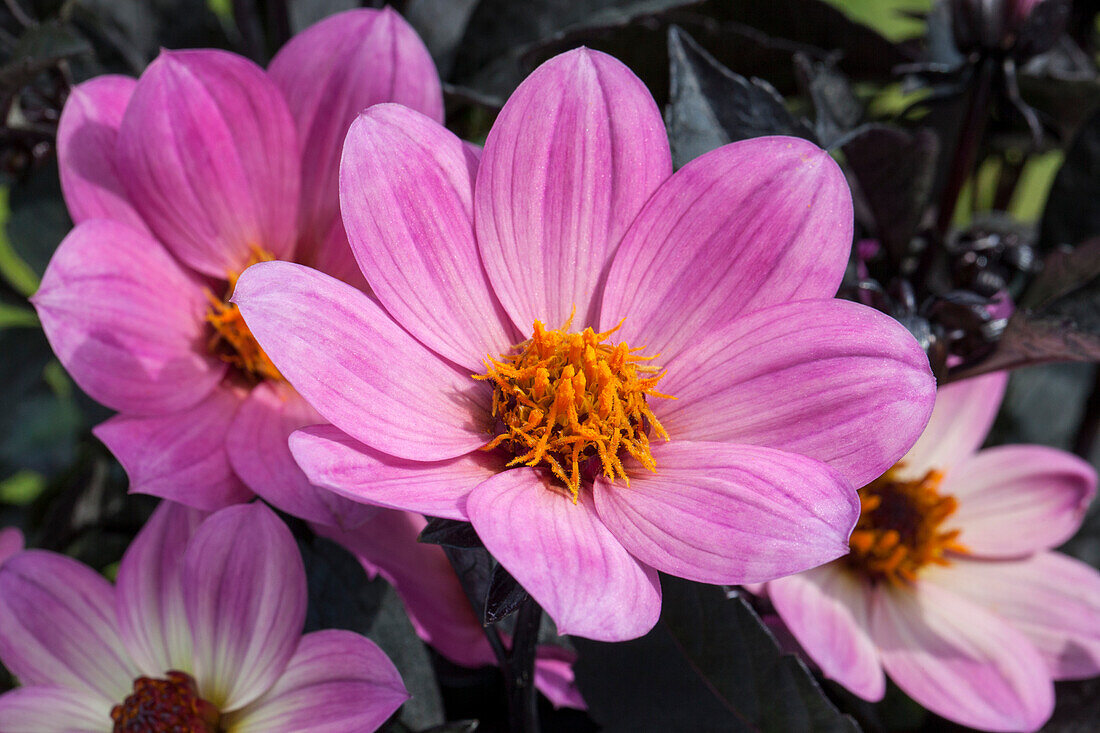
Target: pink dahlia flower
column 196, row 634
column 951, row 586
column 178, row 181
column 11, row 542
column 533, row 313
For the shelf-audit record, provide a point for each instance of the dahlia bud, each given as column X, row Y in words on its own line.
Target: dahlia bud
column 1020, row 28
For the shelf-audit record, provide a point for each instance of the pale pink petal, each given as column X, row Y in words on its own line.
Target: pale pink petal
column 555, row 679
column 564, row 556
column 244, row 588
column 960, row 421
column 149, row 601
column 335, row 461
column 1017, row 499
column 571, row 159
column 126, row 320
column 260, row 454
column 42, row 709
column 330, row 72
column 359, row 369
column 828, row 610
column 336, row 682
column 423, row 578
column 58, row 627
column 725, row 513
column 209, row 156
column 86, row 138
column 333, row 256
column 1053, row 599
column 829, row 379
column 751, row 224
column 406, row 189
column 960, row 661
column 11, row 542
column 180, row 456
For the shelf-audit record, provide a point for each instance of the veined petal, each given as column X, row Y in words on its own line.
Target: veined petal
column 1053, row 599
column 149, row 599
column 43, row 709
column 336, row 681
column 86, row 137
column 576, row 151
column 960, row 661
column 565, row 557
column 1017, row 499
column 406, row 189
column 359, row 369
column 829, row 379
column 180, row 456
column 209, row 156
column 126, row 320
column 555, row 678
column 330, row 72
column 962, row 417
column 751, row 224
column 244, row 587
column 725, row 513
column 828, row 610
column 58, row 627
column 336, row 461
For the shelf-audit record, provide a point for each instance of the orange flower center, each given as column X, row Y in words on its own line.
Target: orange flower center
column 231, row 341
column 571, row 401
column 898, row 531
column 168, row 704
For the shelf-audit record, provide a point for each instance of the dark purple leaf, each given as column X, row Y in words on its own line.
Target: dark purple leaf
column 836, row 108
column 450, row 533
column 1071, row 214
column 504, row 596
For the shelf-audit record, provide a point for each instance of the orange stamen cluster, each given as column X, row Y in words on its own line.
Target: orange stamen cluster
column 898, row 531
column 563, row 399
column 232, row 342
column 169, row 704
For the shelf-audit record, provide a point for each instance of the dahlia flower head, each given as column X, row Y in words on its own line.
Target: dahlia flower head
column 951, row 586
column 196, row 636
column 608, row 368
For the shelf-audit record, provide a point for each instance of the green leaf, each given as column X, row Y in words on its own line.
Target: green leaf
column 22, row 487
column 14, row 316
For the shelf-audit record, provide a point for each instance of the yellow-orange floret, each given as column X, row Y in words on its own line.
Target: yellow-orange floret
column 563, row 399
column 231, row 341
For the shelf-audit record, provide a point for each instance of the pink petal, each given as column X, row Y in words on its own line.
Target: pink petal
column 829, row 379
column 574, row 154
column 86, row 136
column 335, row 461
column 962, row 417
column 126, row 320
column 423, row 578
column 42, row 709
column 565, row 557
column 406, row 188
column 11, row 542
column 724, row 513
column 58, row 627
column 1017, row 499
column 828, row 611
column 149, row 602
column 244, row 587
column 960, row 661
column 209, row 156
column 336, row 681
column 331, row 71
column 359, row 369
column 752, row 224
column 260, row 455
column 333, row 256
column 1053, row 599
column 180, row 456
column 555, row 679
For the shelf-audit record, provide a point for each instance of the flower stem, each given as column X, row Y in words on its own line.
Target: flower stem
column 522, row 696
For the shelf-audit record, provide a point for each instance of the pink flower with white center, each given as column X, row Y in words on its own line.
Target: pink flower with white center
column 178, row 181
column 951, row 586
column 713, row 285
column 196, row 634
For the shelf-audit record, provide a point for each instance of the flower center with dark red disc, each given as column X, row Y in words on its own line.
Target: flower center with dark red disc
column 899, row 529
column 170, row 704
column 232, row 341
column 575, row 404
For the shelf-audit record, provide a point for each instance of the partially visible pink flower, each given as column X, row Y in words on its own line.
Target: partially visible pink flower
column 206, row 618
column 720, row 277
column 178, row 181
column 951, row 586
column 11, row 542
